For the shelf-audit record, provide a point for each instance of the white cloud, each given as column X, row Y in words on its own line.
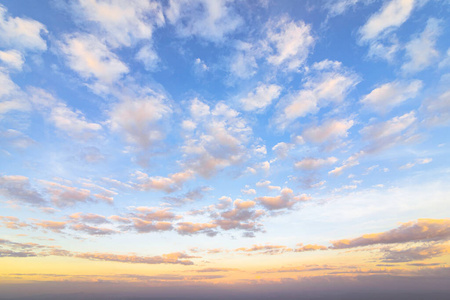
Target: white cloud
column 248, row 191
column 21, row 34
column 378, row 32
column 73, row 122
column 421, row 51
column 292, row 42
column 383, row 98
column 199, row 109
column 209, row 19
column 12, row 59
column 338, row 7
column 282, row 149
column 266, row 184
column 261, row 97
column 391, row 128
column 260, row 150
column 218, row 140
column 138, row 119
column 420, row 161
column 121, row 23
column 11, row 97
column 329, row 84
column 348, row 163
column 314, row 163
column 386, row 49
column 328, row 131
column 445, row 62
column 381, row 136
column 437, row 109
column 243, row 64
column 393, row 14
column 200, row 65
column 16, row 139
column 148, row 57
column 92, row 59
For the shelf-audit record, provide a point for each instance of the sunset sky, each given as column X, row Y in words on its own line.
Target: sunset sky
column 221, row 149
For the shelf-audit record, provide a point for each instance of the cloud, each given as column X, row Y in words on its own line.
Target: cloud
column 145, row 219
column 20, row 33
column 421, row 52
column 55, row 111
column 148, row 56
column 209, row 20
column 329, row 83
column 385, row 97
column 171, row 258
column 261, row 97
column 437, row 109
column 91, row 155
column 92, row 60
column 92, row 230
column 314, row 163
column 120, row 23
column 243, row 63
column 282, row 149
column 329, row 131
column 265, row 249
column 266, row 184
column 52, row 225
column 218, row 140
column 143, row 226
column 292, row 42
column 13, row 222
column 385, row 134
column 18, row 189
column 381, row 136
column 238, row 214
column 445, row 61
column 11, row 97
column 33, row 249
column 89, row 218
column 248, row 191
column 420, row 161
column 64, row 196
column 339, row 7
column 168, row 184
column 191, row 196
column 393, row 14
column 189, row 228
column 139, row 119
column 13, row 59
column 310, row 247
column 348, row 163
column 378, row 31
column 214, row 270
column 286, row 199
column 415, row 253
column 154, row 213
column 414, row 231
column 16, row 139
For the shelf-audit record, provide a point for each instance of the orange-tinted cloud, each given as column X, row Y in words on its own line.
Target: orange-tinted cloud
column 420, row 230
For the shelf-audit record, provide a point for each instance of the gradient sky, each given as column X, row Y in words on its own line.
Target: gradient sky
column 226, row 148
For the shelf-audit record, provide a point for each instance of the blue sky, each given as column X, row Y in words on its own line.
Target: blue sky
column 203, row 127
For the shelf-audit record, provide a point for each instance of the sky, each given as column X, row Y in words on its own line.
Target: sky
column 228, row 149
